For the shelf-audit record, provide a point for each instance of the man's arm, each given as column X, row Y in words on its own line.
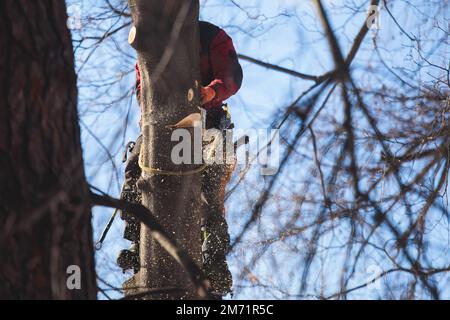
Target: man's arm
column 226, row 69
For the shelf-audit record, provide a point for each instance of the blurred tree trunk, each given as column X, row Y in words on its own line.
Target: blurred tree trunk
column 45, row 215
column 167, row 43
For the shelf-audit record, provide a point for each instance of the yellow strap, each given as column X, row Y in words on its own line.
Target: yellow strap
column 165, row 172
column 227, row 110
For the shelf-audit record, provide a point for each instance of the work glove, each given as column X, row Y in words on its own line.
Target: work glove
column 207, row 94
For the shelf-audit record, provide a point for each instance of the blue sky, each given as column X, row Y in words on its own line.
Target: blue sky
column 285, row 32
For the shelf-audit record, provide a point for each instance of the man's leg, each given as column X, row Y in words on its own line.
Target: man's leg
column 129, row 259
column 216, row 239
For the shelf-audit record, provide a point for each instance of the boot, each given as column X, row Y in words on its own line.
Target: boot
column 214, row 263
column 129, row 258
column 219, row 276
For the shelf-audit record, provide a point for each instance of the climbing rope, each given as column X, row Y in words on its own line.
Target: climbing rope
column 147, row 169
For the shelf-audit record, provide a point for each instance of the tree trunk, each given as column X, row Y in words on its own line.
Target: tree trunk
column 45, row 215
column 166, row 38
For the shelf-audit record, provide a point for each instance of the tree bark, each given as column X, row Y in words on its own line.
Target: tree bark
column 45, row 215
column 166, row 38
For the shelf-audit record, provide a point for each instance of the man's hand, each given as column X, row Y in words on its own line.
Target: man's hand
column 207, row 94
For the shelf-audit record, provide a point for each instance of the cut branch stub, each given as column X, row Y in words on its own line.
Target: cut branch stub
column 191, row 95
column 132, row 37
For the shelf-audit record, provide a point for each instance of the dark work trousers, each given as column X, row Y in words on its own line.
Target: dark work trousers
column 132, row 193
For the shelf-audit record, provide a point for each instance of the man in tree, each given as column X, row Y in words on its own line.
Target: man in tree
column 221, row 77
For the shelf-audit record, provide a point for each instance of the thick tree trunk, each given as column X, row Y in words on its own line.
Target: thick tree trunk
column 44, row 200
column 167, row 43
